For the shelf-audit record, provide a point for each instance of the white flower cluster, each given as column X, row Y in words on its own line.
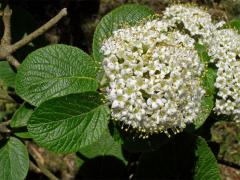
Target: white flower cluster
column 196, row 21
column 154, row 77
column 224, row 48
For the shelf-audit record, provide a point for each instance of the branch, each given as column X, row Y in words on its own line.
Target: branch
column 25, row 40
column 6, row 39
column 33, row 167
column 40, row 162
column 6, row 98
column 13, row 61
column 5, row 123
column 3, row 128
column 6, row 49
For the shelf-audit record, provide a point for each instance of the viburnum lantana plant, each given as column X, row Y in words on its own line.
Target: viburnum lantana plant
column 160, row 77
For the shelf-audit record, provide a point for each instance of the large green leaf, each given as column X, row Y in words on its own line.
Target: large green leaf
column 14, row 161
column 184, row 157
column 54, row 71
column 123, row 15
column 206, row 166
column 66, row 124
column 7, row 74
column 105, row 146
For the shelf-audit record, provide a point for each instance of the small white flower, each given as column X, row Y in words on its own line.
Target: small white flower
column 194, row 19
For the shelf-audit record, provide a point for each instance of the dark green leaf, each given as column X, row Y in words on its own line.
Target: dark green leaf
column 184, row 157
column 105, row 146
column 206, row 108
column 208, row 81
column 21, row 116
column 7, row 74
column 20, row 119
column 23, row 134
column 68, row 123
column 206, row 165
column 14, row 160
column 54, row 71
column 202, row 53
column 207, row 102
column 123, row 15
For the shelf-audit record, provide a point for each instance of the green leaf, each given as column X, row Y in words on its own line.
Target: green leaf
column 20, row 119
column 7, row 74
column 66, row 124
column 105, row 146
column 123, row 15
column 14, row 161
column 207, row 102
column 202, row 53
column 208, row 81
column 234, row 24
column 23, row 134
column 206, row 165
column 207, row 105
column 184, row 157
column 54, row 71
column 21, row 116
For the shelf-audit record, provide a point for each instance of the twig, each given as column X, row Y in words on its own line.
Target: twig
column 4, row 52
column 13, row 61
column 3, row 128
column 34, row 167
column 5, row 123
column 227, row 163
column 40, row 163
column 8, row 99
column 6, row 39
